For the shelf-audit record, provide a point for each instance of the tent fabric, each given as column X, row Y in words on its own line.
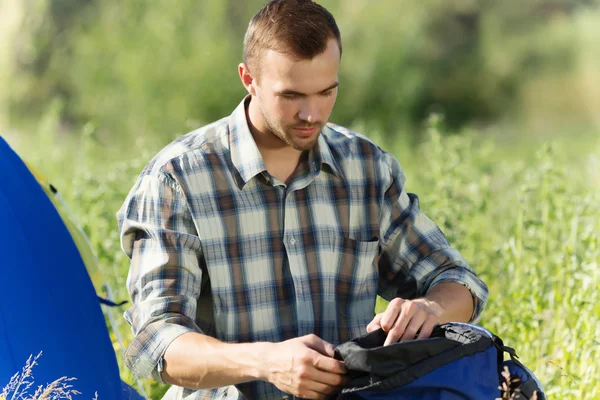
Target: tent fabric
column 83, row 246
column 49, row 302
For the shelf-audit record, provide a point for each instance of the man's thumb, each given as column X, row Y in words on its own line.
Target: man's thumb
column 319, row 345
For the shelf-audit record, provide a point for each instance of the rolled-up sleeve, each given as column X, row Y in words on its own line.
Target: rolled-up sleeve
column 415, row 253
column 164, row 280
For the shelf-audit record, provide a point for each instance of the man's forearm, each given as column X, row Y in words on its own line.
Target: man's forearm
column 455, row 301
column 198, row 361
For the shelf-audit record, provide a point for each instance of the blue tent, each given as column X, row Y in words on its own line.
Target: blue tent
column 49, row 303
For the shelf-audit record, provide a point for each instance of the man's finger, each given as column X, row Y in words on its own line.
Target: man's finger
column 310, row 394
column 391, row 314
column 375, row 323
column 329, row 364
column 314, row 384
column 399, row 327
column 428, row 327
column 319, row 345
column 416, row 322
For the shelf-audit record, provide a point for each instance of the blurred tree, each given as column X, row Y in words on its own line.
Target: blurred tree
column 139, row 68
column 42, row 49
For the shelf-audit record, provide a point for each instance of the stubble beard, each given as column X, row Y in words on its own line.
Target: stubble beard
column 287, row 136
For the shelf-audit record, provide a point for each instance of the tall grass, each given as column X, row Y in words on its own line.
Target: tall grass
column 530, row 226
column 532, row 231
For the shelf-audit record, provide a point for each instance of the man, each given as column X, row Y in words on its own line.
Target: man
column 260, row 241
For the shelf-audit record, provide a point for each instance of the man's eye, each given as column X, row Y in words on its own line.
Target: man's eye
column 327, row 93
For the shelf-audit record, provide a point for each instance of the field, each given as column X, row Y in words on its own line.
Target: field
column 512, row 174
column 528, row 221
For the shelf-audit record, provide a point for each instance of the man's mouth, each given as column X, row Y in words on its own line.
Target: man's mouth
column 306, row 131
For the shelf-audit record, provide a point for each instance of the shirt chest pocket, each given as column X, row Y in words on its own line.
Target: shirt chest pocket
column 348, row 268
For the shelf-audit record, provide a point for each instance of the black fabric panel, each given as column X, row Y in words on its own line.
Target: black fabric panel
column 382, row 362
column 374, row 367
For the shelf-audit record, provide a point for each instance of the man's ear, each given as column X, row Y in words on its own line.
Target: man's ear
column 247, row 79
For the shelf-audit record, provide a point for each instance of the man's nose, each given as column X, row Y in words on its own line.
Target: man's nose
column 309, row 111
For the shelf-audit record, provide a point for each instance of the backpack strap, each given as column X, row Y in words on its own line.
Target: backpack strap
column 531, row 385
column 110, row 303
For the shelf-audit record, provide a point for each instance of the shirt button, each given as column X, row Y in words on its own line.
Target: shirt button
column 292, row 241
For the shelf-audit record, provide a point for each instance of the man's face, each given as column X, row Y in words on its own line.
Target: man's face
column 296, row 97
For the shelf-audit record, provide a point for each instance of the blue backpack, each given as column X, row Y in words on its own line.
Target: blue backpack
column 458, row 362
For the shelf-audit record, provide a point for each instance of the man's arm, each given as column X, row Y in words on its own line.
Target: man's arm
column 426, row 280
column 453, row 299
column 197, row 361
column 164, row 280
column 301, row 366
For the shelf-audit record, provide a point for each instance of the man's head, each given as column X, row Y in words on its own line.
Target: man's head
column 292, row 53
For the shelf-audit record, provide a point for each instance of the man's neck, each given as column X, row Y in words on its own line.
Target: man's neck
column 280, row 158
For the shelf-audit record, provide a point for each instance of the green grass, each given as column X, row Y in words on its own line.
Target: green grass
column 528, row 221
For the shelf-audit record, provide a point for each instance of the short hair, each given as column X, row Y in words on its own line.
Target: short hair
column 300, row 28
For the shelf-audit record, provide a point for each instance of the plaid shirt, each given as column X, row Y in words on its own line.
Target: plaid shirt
column 221, row 247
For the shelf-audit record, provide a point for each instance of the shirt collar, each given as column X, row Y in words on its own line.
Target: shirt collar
column 244, row 153
column 246, row 157
column 322, row 155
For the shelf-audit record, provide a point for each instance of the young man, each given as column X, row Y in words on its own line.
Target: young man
column 260, row 241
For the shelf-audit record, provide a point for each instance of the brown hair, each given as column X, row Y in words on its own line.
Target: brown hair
column 300, row 28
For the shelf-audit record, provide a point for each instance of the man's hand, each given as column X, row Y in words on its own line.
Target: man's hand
column 407, row 319
column 304, row 367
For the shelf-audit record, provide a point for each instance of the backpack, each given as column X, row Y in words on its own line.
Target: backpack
column 457, row 362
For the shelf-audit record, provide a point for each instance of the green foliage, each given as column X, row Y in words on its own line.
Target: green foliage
column 155, row 69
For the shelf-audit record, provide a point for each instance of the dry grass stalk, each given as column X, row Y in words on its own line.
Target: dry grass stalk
column 21, row 382
column 510, row 387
